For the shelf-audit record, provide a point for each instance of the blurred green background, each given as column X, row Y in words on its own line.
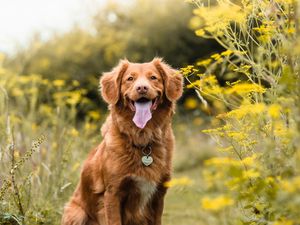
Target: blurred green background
column 137, row 30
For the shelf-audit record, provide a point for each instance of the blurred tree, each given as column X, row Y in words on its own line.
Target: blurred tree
column 138, row 30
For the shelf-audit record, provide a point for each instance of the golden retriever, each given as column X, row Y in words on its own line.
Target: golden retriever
column 122, row 180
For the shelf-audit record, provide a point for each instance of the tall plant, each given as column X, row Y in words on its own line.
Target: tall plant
column 254, row 84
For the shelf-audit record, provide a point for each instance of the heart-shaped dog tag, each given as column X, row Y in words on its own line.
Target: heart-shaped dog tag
column 147, row 160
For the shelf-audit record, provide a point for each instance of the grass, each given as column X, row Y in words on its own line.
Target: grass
column 182, row 204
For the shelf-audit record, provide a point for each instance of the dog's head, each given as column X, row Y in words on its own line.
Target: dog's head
column 141, row 87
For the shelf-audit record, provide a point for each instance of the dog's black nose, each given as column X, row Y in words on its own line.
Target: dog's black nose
column 142, row 89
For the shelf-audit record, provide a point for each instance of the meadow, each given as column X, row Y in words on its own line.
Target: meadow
column 237, row 138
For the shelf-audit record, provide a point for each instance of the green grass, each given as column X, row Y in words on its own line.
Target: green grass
column 182, row 204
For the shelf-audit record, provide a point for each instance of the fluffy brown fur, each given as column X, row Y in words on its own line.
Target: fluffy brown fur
column 115, row 188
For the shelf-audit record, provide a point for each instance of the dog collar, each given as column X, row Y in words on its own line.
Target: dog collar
column 146, row 159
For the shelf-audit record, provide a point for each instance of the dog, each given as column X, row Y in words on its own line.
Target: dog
column 122, row 180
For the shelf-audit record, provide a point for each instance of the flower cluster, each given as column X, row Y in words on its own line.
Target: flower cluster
column 256, row 81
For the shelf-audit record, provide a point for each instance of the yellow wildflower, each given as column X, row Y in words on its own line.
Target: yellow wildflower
column 228, row 52
column 265, row 38
column 236, row 135
column 274, row 111
column 191, row 103
column 216, row 56
column 249, row 161
column 245, row 88
column 45, row 82
column 204, row 63
column 24, row 79
column 200, row 32
column 75, row 83
column 95, row 115
column 283, row 222
column 216, row 19
column 251, row 173
column 195, row 22
column 90, row 126
column 74, row 132
column 58, row 83
column 290, row 186
column 74, row 98
column 245, row 110
column 183, row 181
column 217, row 203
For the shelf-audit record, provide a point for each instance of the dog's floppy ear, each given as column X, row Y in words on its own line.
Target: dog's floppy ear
column 110, row 83
column 173, row 80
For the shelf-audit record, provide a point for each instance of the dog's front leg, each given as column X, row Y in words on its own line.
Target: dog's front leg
column 158, row 203
column 112, row 208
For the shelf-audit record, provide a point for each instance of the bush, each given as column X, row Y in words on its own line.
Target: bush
column 40, row 152
column 254, row 85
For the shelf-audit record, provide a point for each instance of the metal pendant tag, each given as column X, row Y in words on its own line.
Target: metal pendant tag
column 147, row 160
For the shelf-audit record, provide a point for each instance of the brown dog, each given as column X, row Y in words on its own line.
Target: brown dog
column 122, row 181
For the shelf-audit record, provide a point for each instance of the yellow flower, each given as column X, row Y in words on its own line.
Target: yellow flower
column 290, row 186
column 75, row 83
column 24, row 79
column 215, row 19
column 251, row 173
column 200, row 32
column 222, row 161
column 216, row 56
column 74, row 132
column 283, row 222
column 74, row 97
column 58, row 83
column 204, row 62
column 245, row 88
column 45, row 82
column 89, row 126
column 265, row 38
column 274, row 111
column 95, row 115
column 244, row 110
column 228, row 52
column 195, row 22
column 191, row 103
column 184, row 181
column 217, row 203
column 249, row 161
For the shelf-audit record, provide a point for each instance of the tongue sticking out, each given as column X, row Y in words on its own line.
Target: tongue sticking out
column 142, row 113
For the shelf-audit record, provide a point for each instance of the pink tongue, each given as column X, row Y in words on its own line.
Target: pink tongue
column 142, row 113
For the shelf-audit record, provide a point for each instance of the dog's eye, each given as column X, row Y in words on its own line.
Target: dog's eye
column 130, row 78
column 153, row 77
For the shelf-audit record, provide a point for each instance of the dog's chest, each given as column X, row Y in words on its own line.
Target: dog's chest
column 146, row 189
